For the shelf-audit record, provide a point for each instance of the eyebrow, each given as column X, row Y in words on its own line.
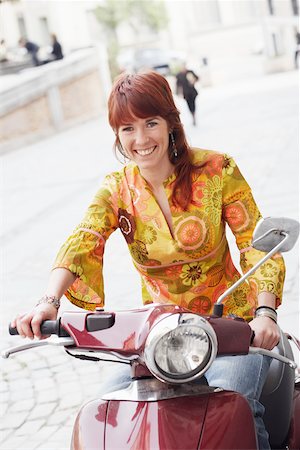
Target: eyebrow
column 148, row 120
column 153, row 118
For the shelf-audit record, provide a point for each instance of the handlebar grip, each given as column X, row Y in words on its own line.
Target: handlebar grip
column 47, row 327
column 12, row 330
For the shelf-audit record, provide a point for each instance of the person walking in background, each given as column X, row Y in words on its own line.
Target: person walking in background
column 185, row 86
column 56, row 51
column 32, row 49
column 3, row 51
column 56, row 48
column 297, row 50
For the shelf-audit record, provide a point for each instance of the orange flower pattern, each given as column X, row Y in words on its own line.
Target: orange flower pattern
column 193, row 267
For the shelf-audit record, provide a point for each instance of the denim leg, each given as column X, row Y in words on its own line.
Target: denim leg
column 245, row 374
column 118, row 378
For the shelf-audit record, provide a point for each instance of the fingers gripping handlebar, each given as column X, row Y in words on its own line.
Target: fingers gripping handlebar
column 47, row 327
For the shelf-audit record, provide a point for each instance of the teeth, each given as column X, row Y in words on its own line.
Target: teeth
column 145, row 152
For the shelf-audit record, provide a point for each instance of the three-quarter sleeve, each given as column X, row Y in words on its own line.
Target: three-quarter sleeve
column 242, row 214
column 82, row 252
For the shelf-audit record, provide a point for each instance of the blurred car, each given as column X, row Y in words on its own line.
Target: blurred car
column 160, row 60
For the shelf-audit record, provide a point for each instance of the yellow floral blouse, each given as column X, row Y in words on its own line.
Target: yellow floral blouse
column 191, row 268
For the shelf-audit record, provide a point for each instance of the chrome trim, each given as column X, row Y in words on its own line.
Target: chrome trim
column 56, row 341
column 254, row 268
column 152, row 390
column 168, row 324
column 102, row 355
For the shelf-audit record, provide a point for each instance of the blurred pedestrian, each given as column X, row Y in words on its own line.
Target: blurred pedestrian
column 56, row 48
column 3, row 51
column 185, row 86
column 297, row 51
column 56, row 52
column 32, row 49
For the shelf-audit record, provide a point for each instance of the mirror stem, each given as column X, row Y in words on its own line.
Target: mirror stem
column 218, row 307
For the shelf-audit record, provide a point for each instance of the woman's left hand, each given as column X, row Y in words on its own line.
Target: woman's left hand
column 267, row 334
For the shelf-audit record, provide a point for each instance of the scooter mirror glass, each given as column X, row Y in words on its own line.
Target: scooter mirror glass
column 269, row 232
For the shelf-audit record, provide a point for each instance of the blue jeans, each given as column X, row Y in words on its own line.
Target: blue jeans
column 244, row 374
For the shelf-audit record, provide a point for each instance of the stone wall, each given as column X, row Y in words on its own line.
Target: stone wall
column 49, row 98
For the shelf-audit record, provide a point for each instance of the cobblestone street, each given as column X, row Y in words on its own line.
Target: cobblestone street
column 46, row 188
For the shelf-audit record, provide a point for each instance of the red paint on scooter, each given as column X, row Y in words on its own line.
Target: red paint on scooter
column 234, row 335
column 174, row 423
column 89, row 427
column 217, row 421
column 228, row 423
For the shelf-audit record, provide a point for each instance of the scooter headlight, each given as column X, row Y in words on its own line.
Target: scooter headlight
column 180, row 348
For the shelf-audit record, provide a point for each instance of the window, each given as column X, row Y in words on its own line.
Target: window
column 22, row 27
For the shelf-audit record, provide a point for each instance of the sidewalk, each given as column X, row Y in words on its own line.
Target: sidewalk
column 47, row 187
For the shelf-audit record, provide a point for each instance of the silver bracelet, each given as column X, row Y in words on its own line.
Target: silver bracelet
column 266, row 312
column 51, row 300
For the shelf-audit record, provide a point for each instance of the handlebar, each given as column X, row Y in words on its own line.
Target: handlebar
column 47, row 327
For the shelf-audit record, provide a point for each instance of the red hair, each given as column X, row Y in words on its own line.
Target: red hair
column 148, row 94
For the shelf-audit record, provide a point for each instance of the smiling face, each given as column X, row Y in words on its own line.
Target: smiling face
column 146, row 141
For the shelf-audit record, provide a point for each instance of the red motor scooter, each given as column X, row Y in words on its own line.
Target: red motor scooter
column 168, row 405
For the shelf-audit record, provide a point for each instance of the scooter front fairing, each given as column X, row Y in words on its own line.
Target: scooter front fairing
column 215, row 420
column 151, row 414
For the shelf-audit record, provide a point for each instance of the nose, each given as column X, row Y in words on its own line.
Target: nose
column 141, row 136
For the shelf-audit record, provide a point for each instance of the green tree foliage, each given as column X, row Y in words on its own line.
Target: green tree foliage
column 111, row 13
column 150, row 13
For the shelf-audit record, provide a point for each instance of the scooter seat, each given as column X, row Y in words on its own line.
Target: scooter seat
column 277, row 396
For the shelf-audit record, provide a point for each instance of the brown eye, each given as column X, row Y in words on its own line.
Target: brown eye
column 152, row 124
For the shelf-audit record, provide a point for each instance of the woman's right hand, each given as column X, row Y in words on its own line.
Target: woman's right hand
column 28, row 325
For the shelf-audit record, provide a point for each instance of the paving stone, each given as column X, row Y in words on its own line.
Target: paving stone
column 41, row 411
column 23, row 405
column 59, row 417
column 44, row 384
column 53, row 444
column 20, row 385
column 3, row 386
column 26, row 358
column 71, row 401
column 69, row 388
column 30, row 427
column 38, row 364
column 64, row 434
column 16, row 443
column 48, row 395
column 4, row 434
column 41, row 373
column 4, row 396
column 45, row 433
column 12, row 421
column 21, row 395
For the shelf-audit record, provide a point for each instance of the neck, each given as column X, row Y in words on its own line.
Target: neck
column 156, row 179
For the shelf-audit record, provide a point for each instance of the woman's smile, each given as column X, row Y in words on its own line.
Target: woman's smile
column 146, row 151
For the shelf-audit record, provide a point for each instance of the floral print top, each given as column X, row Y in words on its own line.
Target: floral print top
column 192, row 267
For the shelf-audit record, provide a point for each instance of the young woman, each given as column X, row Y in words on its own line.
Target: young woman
column 171, row 203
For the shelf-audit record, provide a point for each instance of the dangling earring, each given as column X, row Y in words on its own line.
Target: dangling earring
column 175, row 152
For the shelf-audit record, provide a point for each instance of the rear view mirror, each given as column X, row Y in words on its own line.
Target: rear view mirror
column 272, row 231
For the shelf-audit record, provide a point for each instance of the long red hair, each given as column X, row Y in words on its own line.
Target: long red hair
column 145, row 95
